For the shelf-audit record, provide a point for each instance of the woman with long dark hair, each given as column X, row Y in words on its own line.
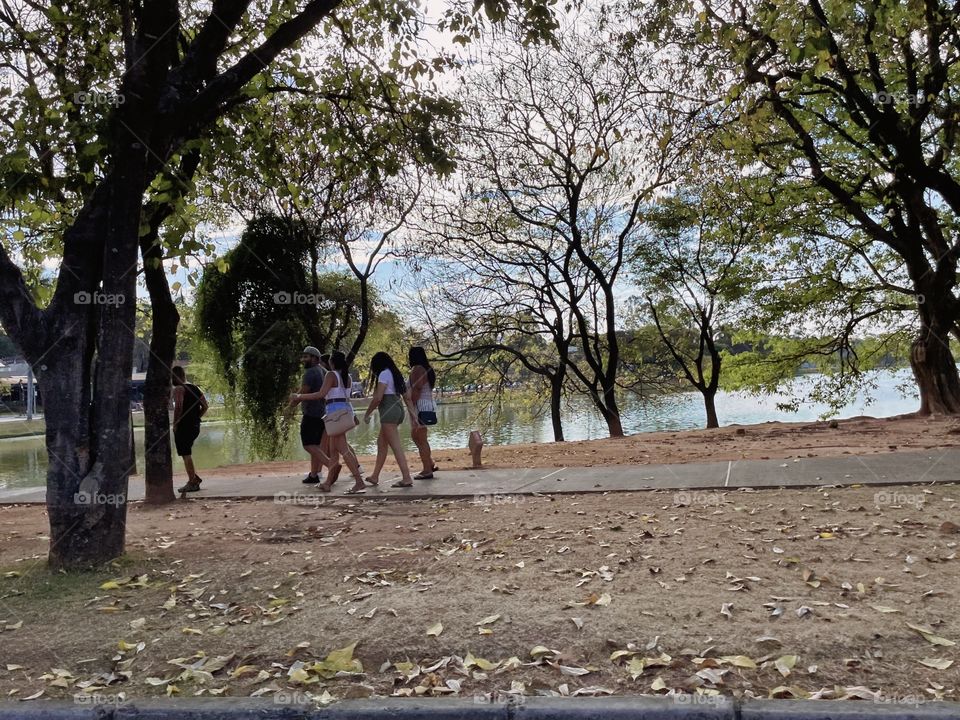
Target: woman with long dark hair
column 423, row 378
column 389, row 395
column 336, row 391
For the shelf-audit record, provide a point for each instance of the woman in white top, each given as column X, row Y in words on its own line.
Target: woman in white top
column 390, row 394
column 335, row 390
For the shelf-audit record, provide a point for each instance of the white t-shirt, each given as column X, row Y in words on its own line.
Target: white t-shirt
column 386, row 377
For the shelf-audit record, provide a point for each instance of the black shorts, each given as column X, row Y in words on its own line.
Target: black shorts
column 311, row 430
column 183, row 437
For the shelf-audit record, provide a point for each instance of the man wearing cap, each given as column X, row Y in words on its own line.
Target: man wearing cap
column 311, row 424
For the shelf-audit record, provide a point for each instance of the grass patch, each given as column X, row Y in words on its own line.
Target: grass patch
column 31, row 584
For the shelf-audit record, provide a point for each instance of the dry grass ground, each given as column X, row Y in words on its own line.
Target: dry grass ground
column 834, row 592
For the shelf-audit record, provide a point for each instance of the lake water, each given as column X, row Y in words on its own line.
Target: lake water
column 23, row 460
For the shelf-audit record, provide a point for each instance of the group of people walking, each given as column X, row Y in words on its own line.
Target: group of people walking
column 328, row 416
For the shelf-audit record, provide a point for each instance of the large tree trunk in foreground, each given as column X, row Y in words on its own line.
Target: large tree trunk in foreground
column 88, row 432
column 158, row 473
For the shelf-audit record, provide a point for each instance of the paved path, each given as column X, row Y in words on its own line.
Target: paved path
column 895, row 468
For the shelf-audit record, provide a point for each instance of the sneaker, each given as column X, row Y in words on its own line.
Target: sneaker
column 192, row 486
column 311, row 480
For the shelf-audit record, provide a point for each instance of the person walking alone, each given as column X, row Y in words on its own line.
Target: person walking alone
column 189, row 405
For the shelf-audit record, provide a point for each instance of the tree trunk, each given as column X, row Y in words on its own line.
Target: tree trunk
column 710, row 390
column 158, row 474
column 611, row 413
column 710, row 405
column 90, row 448
column 935, row 370
column 556, row 393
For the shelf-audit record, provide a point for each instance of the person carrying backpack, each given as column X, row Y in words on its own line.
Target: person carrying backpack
column 189, row 405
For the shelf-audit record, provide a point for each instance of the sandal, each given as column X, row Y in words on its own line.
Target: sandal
column 423, row 476
column 371, row 481
column 354, row 491
column 402, row 484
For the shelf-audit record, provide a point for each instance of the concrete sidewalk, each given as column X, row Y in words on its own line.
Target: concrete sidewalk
column 679, row 707
column 895, row 468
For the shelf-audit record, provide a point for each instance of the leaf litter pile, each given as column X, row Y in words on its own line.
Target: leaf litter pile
column 816, row 593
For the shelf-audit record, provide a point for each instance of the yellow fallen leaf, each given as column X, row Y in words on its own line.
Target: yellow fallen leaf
column 489, row 620
column 298, row 676
column 936, row 663
column 884, row 609
column 435, row 630
column 341, row 660
column 191, row 631
column 471, row 661
column 741, row 661
column 658, row 684
column 635, row 667
column 511, row 663
column 785, row 663
column 662, row 661
column 603, row 600
column 928, row 635
column 484, row 631
column 570, row 670
column 217, row 663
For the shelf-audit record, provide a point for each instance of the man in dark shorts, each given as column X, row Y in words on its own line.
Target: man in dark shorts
column 311, row 424
column 189, row 405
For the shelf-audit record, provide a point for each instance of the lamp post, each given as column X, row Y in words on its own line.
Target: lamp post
column 29, row 393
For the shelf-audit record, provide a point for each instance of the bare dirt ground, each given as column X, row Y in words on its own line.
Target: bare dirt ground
column 774, row 440
column 823, row 593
